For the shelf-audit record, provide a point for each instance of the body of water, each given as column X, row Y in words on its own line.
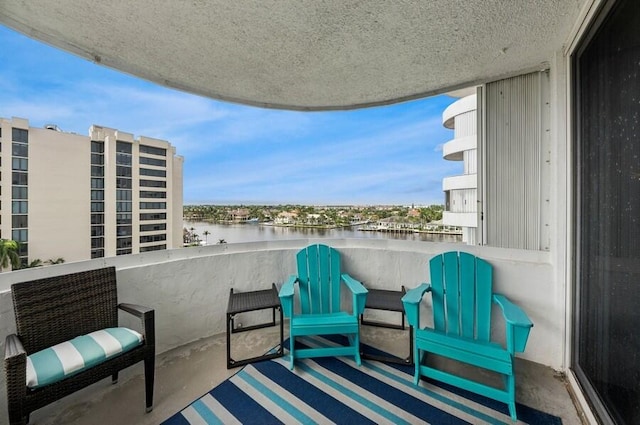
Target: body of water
column 235, row 233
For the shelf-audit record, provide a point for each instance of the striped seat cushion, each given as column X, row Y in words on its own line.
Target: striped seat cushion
column 70, row 357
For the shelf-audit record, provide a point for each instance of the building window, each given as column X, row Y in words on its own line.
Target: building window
column 123, row 171
column 123, row 218
column 20, row 235
column 20, row 149
column 153, row 227
column 124, row 230
column 151, row 194
column 153, row 238
column 153, row 173
column 97, row 218
column 122, row 183
column 153, row 205
column 19, row 207
column 97, row 147
column 123, row 195
column 153, row 161
column 123, row 206
column 123, row 159
column 153, row 150
column 97, row 207
column 123, row 147
column 19, row 178
column 124, row 243
column 153, row 183
column 19, row 135
column 97, row 231
column 19, row 221
column 153, row 216
column 97, row 242
column 20, row 164
column 97, row 195
column 153, row 248
column 19, row 192
column 97, row 159
column 97, row 171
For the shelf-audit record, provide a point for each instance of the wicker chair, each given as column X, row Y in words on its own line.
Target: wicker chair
column 53, row 310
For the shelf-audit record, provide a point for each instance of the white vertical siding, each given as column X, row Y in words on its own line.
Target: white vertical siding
column 516, row 126
column 465, row 124
column 470, row 161
column 463, row 200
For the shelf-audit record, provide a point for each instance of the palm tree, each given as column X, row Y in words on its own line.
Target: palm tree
column 59, row 260
column 35, row 263
column 206, row 233
column 9, row 254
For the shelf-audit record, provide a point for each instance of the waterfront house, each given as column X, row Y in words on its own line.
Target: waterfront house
column 557, row 146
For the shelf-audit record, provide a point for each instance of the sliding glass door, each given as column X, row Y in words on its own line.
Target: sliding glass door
column 607, row 225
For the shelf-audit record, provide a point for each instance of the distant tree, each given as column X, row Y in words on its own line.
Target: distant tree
column 206, row 234
column 34, row 263
column 58, row 260
column 9, row 254
column 221, row 241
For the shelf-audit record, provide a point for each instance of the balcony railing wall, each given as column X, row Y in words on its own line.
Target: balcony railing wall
column 189, row 287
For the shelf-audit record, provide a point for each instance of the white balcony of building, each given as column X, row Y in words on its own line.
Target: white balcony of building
column 454, row 149
column 460, row 219
column 464, row 181
column 460, row 107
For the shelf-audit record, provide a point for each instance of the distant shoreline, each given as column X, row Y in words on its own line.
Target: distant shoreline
column 329, row 227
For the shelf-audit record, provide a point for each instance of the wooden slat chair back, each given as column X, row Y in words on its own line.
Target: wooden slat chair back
column 462, row 296
column 461, row 290
column 319, row 280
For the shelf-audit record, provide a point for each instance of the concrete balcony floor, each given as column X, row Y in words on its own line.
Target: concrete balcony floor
column 186, row 373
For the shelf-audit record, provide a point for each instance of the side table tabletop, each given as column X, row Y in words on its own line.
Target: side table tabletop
column 243, row 302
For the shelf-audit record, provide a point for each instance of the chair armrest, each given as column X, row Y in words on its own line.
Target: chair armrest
column 286, row 295
column 411, row 302
column 518, row 323
column 359, row 293
column 15, row 372
column 147, row 316
column 13, row 347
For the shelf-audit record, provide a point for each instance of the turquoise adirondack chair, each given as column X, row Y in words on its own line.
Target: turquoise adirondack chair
column 320, row 313
column 461, row 294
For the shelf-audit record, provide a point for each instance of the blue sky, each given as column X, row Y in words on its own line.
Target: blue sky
column 237, row 154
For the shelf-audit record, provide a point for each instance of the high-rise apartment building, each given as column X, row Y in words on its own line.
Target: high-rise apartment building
column 461, row 193
column 64, row 195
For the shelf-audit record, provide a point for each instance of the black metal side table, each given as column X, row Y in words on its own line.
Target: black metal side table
column 383, row 299
column 243, row 302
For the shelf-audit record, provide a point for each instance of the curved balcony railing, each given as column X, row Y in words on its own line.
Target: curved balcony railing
column 189, row 287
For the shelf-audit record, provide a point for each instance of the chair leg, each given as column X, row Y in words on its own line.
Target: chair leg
column 511, row 388
column 292, row 344
column 356, row 343
column 114, row 378
column 416, row 362
column 149, row 377
column 16, row 418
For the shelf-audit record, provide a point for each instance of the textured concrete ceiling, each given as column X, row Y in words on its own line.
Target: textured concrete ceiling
column 304, row 54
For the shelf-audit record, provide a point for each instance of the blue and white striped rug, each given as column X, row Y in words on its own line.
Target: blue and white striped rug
column 334, row 390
